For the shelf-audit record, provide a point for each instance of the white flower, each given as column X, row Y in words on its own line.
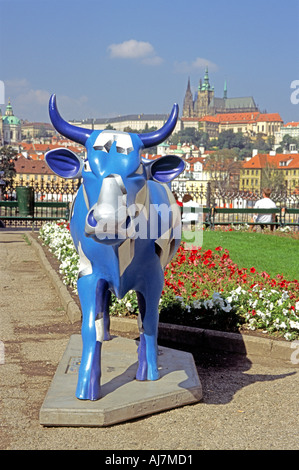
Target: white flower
column 197, row 304
column 294, row 324
column 227, row 308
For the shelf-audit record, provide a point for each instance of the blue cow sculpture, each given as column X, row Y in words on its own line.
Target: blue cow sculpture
column 125, row 225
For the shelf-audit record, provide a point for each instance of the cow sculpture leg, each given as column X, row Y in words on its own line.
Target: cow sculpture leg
column 94, row 298
column 148, row 327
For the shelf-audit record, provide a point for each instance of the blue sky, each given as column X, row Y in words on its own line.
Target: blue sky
column 109, row 58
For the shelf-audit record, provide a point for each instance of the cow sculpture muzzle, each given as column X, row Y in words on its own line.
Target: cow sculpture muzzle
column 106, row 220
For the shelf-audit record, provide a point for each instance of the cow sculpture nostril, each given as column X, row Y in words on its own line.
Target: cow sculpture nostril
column 91, row 220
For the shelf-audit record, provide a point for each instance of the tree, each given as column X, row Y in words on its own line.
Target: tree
column 190, row 136
column 261, row 144
column 230, row 139
column 273, row 178
column 8, row 156
column 288, row 140
column 224, row 168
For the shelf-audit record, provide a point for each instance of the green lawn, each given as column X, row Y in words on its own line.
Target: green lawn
column 270, row 253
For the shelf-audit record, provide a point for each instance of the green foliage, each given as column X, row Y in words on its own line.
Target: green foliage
column 7, row 163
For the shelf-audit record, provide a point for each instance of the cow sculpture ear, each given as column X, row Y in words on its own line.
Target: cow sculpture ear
column 64, row 163
column 166, row 168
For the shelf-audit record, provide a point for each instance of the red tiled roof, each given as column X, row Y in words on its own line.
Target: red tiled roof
column 38, row 167
column 291, row 124
column 243, row 117
column 261, row 161
column 46, row 147
column 269, row 117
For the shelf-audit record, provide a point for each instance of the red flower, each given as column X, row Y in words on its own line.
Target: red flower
column 208, row 254
column 252, row 270
column 219, row 248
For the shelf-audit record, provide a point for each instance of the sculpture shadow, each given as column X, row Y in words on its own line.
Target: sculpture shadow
column 222, row 374
column 129, row 374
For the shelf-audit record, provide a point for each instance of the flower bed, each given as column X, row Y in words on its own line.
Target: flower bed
column 202, row 288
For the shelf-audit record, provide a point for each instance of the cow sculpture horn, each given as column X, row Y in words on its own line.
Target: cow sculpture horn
column 77, row 134
column 80, row 134
column 155, row 138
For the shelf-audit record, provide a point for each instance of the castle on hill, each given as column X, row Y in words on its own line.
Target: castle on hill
column 205, row 103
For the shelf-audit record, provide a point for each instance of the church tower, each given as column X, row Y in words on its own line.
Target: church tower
column 188, row 102
column 204, row 97
column 11, row 126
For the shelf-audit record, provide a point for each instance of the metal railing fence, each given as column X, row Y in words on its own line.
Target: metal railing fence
column 52, row 201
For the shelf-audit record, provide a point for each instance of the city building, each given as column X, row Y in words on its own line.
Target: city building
column 31, row 167
column 137, row 122
column 250, row 124
column 291, row 129
column 10, row 130
column 205, row 103
column 28, row 170
column 32, row 130
column 259, row 170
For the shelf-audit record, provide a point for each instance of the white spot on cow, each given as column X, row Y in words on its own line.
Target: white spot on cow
column 126, row 253
column 99, row 324
column 85, row 196
column 163, row 248
column 140, row 170
column 85, row 266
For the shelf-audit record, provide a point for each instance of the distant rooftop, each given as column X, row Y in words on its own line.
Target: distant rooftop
column 128, row 117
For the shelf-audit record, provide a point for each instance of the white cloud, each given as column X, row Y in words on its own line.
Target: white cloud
column 32, row 104
column 22, row 93
column 33, row 97
column 197, row 64
column 133, row 49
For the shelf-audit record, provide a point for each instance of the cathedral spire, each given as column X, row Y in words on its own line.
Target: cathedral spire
column 225, row 90
column 188, row 102
column 206, row 83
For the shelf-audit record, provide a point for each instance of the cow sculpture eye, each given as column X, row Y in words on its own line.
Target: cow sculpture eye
column 87, row 166
column 105, row 140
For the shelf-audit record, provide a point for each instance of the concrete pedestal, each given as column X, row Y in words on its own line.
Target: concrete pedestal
column 123, row 397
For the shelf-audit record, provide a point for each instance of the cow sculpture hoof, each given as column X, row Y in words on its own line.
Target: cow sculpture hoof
column 147, row 370
column 88, row 393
